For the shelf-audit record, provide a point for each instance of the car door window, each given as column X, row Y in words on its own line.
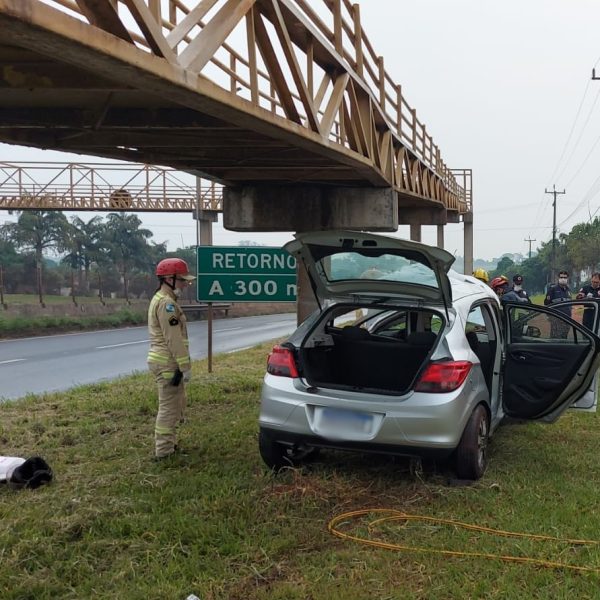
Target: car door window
column 543, row 328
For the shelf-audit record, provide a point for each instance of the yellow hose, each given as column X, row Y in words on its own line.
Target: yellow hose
column 396, row 515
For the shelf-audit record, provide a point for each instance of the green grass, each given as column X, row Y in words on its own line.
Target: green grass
column 28, row 325
column 214, row 522
column 11, row 299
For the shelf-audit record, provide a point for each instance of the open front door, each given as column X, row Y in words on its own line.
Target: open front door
column 550, row 360
column 586, row 312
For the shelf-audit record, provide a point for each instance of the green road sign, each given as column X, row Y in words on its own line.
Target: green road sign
column 245, row 274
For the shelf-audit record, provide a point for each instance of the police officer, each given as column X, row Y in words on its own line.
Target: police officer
column 520, row 294
column 559, row 292
column 169, row 356
column 590, row 292
column 556, row 294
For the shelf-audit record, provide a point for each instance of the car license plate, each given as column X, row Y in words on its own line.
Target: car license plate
column 345, row 421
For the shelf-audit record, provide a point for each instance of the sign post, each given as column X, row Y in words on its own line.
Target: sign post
column 243, row 274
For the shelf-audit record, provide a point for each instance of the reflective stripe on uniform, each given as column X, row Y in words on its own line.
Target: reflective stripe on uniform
column 157, row 358
column 162, row 430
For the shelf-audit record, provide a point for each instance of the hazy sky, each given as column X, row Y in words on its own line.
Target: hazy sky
column 504, row 88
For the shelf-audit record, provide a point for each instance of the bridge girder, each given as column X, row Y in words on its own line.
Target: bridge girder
column 68, row 85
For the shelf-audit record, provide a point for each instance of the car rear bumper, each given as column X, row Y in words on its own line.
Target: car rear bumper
column 413, row 424
column 299, row 440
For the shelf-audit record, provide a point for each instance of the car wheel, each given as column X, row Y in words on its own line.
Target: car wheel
column 471, row 454
column 278, row 456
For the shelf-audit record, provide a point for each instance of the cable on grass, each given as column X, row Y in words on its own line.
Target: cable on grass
column 396, row 515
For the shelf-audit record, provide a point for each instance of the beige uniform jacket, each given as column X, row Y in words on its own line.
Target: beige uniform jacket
column 169, row 345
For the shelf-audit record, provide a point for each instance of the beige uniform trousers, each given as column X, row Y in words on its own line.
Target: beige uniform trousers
column 171, row 409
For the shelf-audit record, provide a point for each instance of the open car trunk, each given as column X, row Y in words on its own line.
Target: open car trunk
column 378, row 353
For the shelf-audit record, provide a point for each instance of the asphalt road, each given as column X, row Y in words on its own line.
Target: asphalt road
column 59, row 362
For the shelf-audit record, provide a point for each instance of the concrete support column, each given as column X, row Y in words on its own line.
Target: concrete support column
column 415, row 232
column 440, row 236
column 307, row 208
column 468, row 237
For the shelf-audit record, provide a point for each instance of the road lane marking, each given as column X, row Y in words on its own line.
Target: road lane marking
column 239, row 349
column 123, row 344
column 4, row 362
column 227, row 329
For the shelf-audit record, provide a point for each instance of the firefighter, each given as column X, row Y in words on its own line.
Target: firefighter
column 499, row 285
column 169, row 356
column 481, row 274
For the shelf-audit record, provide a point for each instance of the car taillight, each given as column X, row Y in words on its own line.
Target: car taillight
column 443, row 376
column 281, row 362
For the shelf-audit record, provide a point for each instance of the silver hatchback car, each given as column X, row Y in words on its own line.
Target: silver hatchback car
column 408, row 357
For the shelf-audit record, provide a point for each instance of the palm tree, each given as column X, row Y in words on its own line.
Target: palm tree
column 127, row 245
column 83, row 244
column 38, row 230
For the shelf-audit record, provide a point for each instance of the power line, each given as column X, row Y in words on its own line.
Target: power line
column 572, row 129
column 592, row 191
column 589, row 115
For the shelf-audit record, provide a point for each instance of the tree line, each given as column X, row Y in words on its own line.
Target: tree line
column 99, row 256
column 577, row 252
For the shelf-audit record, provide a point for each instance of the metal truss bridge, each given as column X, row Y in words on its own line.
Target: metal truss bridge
column 237, row 91
column 104, row 187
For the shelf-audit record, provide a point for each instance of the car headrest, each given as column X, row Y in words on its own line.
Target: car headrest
column 424, row 339
column 355, row 333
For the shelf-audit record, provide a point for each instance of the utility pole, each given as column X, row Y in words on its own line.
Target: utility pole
column 529, row 240
column 553, row 265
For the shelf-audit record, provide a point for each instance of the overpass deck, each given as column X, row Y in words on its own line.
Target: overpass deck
column 238, row 91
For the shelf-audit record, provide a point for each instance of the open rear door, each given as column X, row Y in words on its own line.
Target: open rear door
column 550, row 359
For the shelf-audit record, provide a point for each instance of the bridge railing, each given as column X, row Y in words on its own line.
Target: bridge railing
column 331, row 80
column 103, row 186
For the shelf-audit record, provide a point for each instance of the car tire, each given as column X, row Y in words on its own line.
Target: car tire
column 279, row 456
column 471, row 453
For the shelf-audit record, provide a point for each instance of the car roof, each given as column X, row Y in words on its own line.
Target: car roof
column 465, row 285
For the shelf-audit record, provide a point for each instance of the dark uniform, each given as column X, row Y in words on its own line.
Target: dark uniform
column 555, row 295
column 588, row 292
column 514, row 296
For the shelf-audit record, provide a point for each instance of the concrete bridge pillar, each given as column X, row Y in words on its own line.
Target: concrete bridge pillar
column 468, row 242
column 415, row 232
column 308, row 208
column 440, row 236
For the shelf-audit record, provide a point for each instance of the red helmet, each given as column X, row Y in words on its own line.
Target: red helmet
column 498, row 282
column 168, row 267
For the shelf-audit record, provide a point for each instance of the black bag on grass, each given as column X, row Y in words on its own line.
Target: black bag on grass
column 30, row 473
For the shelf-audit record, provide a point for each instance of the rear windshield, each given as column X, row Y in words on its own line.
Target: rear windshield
column 385, row 267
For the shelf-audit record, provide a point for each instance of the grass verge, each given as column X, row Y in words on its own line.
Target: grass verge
column 214, row 522
column 12, row 327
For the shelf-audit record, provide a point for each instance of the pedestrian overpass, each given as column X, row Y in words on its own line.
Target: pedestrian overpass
column 283, row 102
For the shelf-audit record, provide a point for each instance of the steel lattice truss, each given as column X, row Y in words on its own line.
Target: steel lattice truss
column 239, row 91
column 104, row 187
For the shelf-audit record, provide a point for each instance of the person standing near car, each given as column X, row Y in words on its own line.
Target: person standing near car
column 559, row 292
column 482, row 275
column 518, row 290
column 499, row 285
column 556, row 294
column 590, row 292
column 169, row 356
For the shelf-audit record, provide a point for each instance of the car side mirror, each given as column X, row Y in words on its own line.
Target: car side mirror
column 531, row 331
